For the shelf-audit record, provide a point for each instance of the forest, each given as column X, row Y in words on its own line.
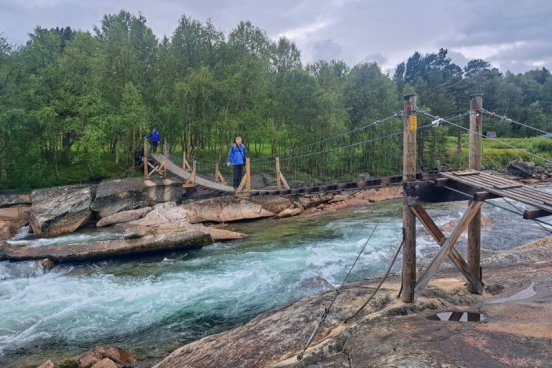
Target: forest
column 75, row 106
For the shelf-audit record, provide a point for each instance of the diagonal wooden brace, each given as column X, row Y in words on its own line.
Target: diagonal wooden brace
column 454, row 255
column 473, row 209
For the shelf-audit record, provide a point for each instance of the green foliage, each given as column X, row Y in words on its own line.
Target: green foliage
column 74, row 106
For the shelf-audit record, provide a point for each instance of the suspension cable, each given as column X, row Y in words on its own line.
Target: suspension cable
column 337, row 292
column 484, row 136
column 503, row 117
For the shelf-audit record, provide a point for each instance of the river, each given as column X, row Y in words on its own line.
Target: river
column 150, row 306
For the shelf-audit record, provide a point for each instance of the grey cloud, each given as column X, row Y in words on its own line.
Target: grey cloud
column 352, row 30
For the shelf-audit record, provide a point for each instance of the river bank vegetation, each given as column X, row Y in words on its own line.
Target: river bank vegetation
column 75, row 105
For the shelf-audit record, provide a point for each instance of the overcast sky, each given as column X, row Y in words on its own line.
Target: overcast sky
column 512, row 35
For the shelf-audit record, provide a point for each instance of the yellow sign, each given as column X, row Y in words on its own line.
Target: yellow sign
column 413, row 123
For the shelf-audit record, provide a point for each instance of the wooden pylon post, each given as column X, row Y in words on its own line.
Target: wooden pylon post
column 278, row 180
column 475, row 154
column 166, row 155
column 146, row 175
column 248, row 175
column 410, row 126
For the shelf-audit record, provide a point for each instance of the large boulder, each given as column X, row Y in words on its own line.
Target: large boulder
column 108, row 249
column 524, row 169
column 119, row 195
column 122, row 217
column 224, row 209
column 62, row 214
column 14, row 199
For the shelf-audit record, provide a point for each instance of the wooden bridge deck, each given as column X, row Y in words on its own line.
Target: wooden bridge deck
column 505, row 188
column 185, row 175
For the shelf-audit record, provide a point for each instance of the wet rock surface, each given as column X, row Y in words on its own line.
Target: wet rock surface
column 8, row 229
column 62, row 214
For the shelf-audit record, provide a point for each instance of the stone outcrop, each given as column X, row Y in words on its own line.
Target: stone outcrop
column 224, row 209
column 108, row 249
column 107, row 357
column 47, row 364
column 15, row 199
column 62, row 214
column 124, row 216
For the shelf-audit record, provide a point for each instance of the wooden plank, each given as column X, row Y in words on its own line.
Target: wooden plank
column 508, row 186
column 466, row 173
column 248, row 174
column 474, row 207
column 440, row 238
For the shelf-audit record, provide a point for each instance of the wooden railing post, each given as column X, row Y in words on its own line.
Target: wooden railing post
column 166, row 155
column 146, row 175
column 248, row 174
column 410, row 126
column 194, row 172
column 475, row 154
column 278, row 179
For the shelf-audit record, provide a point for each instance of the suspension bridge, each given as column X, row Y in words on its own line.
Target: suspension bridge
column 406, row 148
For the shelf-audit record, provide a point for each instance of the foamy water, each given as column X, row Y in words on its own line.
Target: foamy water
column 154, row 304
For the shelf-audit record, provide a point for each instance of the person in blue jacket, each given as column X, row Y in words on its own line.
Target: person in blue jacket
column 155, row 137
column 236, row 158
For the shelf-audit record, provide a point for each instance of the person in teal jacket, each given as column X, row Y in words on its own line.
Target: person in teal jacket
column 236, row 158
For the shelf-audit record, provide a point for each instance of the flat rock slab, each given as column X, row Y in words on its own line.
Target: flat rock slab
column 108, row 249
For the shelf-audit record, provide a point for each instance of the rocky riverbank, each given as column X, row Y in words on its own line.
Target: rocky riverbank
column 516, row 330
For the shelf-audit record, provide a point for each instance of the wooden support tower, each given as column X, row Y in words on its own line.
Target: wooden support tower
column 410, row 123
column 475, row 154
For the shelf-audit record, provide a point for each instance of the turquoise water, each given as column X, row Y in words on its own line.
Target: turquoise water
column 153, row 305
